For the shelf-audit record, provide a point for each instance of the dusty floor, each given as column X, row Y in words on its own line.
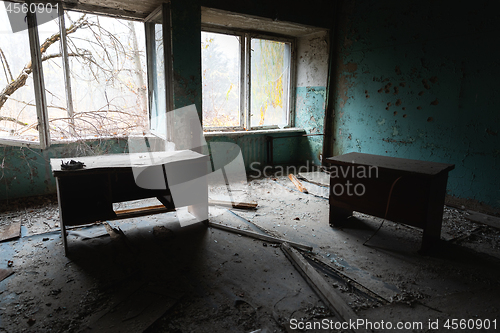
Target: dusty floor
column 165, row 278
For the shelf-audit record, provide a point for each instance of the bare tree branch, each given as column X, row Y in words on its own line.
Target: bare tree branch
column 20, row 81
column 104, row 59
column 57, row 55
column 5, row 65
column 13, row 120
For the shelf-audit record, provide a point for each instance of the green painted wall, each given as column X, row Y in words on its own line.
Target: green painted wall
column 26, row 171
column 253, row 147
column 186, row 39
column 311, row 92
column 310, row 114
column 419, row 80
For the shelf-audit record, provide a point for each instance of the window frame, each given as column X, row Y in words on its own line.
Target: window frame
column 164, row 13
column 44, row 139
column 245, row 77
column 240, row 34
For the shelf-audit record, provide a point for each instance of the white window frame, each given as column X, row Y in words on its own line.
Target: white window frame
column 44, row 140
column 245, row 77
column 162, row 13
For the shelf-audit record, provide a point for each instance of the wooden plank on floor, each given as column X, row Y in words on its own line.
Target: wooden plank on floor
column 10, row 231
column 5, row 273
column 492, row 221
column 241, row 205
column 370, row 285
column 317, row 177
column 142, row 211
column 297, row 183
column 252, row 234
column 325, row 291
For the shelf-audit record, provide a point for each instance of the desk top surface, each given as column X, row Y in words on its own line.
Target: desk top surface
column 127, row 160
column 393, row 163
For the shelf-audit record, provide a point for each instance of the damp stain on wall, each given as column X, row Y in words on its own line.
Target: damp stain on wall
column 439, row 58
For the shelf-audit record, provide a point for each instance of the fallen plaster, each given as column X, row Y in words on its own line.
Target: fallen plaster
column 213, row 280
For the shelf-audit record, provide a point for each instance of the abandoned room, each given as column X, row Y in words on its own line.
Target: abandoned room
column 249, row 166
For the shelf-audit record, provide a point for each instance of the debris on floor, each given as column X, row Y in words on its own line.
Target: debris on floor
column 297, row 183
column 157, row 276
column 9, row 230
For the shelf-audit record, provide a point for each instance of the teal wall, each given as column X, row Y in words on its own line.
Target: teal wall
column 310, row 115
column 253, row 147
column 26, row 171
column 186, row 49
column 419, row 80
column 311, row 93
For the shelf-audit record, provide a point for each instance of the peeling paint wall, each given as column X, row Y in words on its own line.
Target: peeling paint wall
column 254, row 148
column 186, row 50
column 26, row 171
column 312, row 76
column 419, row 80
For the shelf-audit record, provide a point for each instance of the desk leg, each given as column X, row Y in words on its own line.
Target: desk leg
column 61, row 216
column 434, row 219
column 338, row 215
column 65, row 241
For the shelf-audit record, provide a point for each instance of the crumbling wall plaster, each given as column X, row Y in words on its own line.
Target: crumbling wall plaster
column 312, row 76
column 26, row 171
column 420, row 81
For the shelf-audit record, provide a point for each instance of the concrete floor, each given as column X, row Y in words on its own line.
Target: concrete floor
column 168, row 278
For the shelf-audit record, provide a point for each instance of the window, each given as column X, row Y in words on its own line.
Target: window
column 107, row 65
column 90, row 82
column 17, row 97
column 247, row 80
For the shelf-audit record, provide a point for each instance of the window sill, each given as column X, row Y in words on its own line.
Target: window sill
column 254, row 132
column 4, row 141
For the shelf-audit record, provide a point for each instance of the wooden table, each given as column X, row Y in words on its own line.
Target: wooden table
column 406, row 191
column 87, row 195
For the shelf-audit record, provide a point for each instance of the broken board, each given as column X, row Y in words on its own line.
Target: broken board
column 5, row 273
column 317, row 177
column 10, row 231
column 489, row 220
column 330, row 296
column 240, row 205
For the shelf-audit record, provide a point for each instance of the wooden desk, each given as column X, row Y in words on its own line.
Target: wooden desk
column 87, row 195
column 401, row 190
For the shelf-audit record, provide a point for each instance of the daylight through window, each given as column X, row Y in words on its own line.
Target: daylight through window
column 106, row 58
column 233, row 99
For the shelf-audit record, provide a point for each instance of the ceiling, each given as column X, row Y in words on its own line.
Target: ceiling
column 247, row 22
column 133, row 9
